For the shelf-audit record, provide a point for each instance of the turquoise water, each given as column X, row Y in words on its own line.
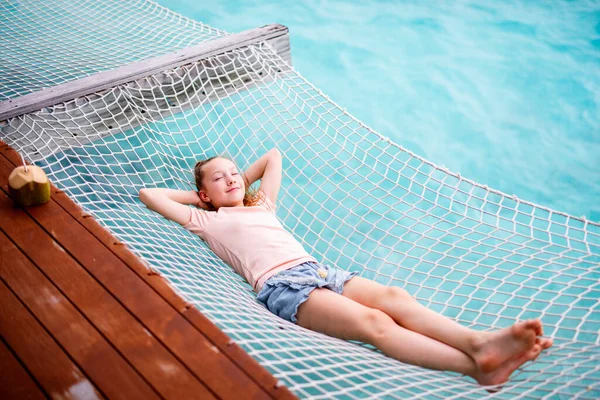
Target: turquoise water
column 506, row 93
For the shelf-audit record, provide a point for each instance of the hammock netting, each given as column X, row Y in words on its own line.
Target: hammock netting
column 46, row 43
column 354, row 198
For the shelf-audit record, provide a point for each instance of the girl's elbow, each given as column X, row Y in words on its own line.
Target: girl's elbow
column 144, row 196
column 276, row 153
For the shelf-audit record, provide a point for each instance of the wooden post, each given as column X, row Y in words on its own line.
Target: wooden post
column 111, row 102
column 276, row 35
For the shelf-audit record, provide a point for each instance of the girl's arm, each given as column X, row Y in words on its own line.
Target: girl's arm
column 170, row 203
column 268, row 169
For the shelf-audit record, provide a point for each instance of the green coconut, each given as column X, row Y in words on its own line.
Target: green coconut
column 28, row 187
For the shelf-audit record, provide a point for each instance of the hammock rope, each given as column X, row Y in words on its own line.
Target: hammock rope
column 354, row 198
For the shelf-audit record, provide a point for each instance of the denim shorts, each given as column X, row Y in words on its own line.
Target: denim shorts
column 286, row 290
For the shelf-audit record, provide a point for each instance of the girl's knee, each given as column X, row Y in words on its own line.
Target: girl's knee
column 399, row 293
column 377, row 324
column 392, row 295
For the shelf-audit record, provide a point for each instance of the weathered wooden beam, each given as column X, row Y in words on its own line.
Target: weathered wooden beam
column 275, row 34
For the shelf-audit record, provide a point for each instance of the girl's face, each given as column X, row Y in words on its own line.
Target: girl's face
column 223, row 185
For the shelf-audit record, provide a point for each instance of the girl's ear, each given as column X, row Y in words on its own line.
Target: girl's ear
column 203, row 196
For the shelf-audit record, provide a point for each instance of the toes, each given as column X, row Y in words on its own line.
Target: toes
column 547, row 343
column 540, row 330
column 544, row 343
column 535, row 352
column 535, row 325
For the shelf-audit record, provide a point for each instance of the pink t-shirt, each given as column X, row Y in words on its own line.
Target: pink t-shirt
column 250, row 239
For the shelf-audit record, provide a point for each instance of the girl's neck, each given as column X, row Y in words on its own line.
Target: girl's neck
column 234, row 206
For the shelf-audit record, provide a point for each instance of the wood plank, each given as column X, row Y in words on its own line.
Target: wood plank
column 147, row 355
column 15, row 381
column 58, row 375
column 141, row 69
column 250, row 366
column 159, row 318
column 231, row 349
column 84, row 344
column 223, row 342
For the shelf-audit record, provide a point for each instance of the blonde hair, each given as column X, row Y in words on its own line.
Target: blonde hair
column 251, row 197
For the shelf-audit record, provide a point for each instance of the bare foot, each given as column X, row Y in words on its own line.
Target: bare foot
column 491, row 350
column 504, row 371
column 544, row 343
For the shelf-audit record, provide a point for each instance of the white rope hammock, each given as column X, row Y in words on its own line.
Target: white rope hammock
column 46, row 43
column 352, row 197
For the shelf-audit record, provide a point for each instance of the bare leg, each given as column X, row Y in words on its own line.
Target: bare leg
column 335, row 315
column 489, row 350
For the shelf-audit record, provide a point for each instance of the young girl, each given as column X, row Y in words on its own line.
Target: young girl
column 242, row 229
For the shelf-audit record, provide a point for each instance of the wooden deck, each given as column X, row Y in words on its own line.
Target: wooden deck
column 80, row 316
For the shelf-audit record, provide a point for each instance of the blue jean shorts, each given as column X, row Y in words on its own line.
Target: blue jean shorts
column 286, row 290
